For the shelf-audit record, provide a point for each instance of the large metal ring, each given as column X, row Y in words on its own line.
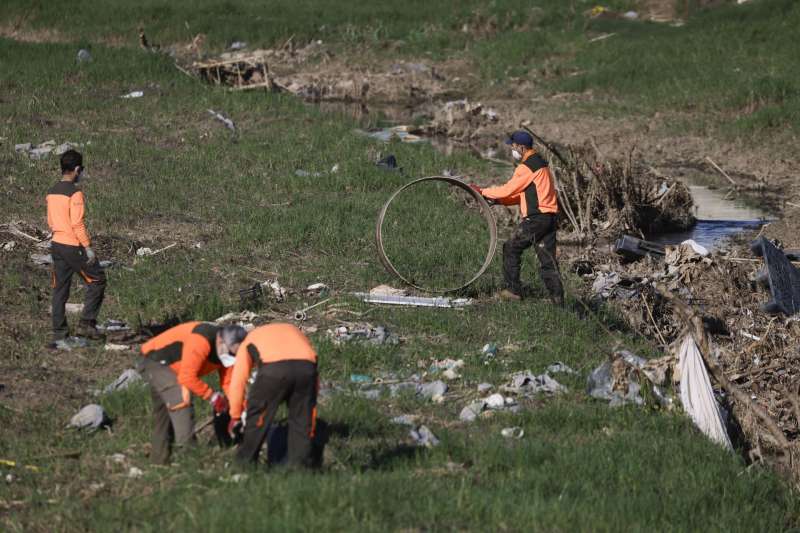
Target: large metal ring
column 486, row 211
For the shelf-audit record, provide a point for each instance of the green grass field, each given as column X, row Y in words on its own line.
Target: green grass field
column 162, row 171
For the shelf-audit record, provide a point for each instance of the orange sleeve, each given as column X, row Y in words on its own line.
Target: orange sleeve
column 195, row 354
column 225, row 375
column 518, row 183
column 76, row 210
column 239, row 377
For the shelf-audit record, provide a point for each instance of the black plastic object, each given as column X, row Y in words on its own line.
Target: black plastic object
column 782, row 278
column 250, row 296
column 486, row 212
column 388, row 163
column 632, row 248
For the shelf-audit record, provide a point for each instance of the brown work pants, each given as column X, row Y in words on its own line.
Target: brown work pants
column 168, row 426
column 294, row 382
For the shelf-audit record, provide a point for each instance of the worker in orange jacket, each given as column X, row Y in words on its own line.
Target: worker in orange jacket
column 173, row 364
column 286, row 371
column 532, row 188
column 71, row 251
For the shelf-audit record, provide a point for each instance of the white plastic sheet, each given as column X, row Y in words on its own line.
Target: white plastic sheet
column 697, row 396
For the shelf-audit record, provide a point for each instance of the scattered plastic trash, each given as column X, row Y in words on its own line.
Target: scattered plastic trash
column 633, row 248
column 388, row 163
column 360, row 378
column 44, row 149
column 472, row 411
column 42, row 259
column 446, row 364
column 423, row 436
column 146, row 252
column 484, row 387
column 450, row 374
column 416, row 301
column 238, row 45
column 489, row 350
column 119, row 458
column 112, row 325
column 135, row 473
column 133, row 94
column 125, row 380
column 405, row 420
column 631, row 15
column 495, row 401
column 84, row 56
column 698, row 249
column 91, row 417
column 70, row 343
column 378, row 335
column 617, row 379
column 306, row 174
column 387, row 290
column 279, row 292
column 228, row 123
column 697, row 395
column 515, row 432
column 235, row 478
column 559, row 367
column 527, row 383
column 317, row 288
column 8, row 246
column 434, row 391
column 73, row 308
column 242, row 317
column 110, row 347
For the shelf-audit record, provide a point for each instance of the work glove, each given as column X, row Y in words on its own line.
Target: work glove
column 219, row 403
column 235, row 428
column 91, row 257
column 476, row 188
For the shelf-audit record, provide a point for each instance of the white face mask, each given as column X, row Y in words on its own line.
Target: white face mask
column 516, row 155
column 226, row 359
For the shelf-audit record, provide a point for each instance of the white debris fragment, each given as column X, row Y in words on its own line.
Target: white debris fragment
column 515, row 432
column 125, row 380
column 109, row 347
column 133, row 94
column 495, row 401
column 135, row 473
column 423, row 436
column 73, row 308
column 91, row 417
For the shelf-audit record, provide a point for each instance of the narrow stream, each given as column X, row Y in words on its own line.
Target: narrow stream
column 718, row 217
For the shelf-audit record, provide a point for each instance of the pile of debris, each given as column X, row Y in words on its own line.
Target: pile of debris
column 603, row 196
column 311, row 73
column 745, row 306
column 461, row 120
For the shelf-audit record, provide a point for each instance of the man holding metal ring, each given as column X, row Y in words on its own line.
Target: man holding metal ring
column 532, row 188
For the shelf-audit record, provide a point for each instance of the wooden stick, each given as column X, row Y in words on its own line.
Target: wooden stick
column 652, row 319
column 722, row 172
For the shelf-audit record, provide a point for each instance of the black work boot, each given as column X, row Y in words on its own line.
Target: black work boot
column 88, row 329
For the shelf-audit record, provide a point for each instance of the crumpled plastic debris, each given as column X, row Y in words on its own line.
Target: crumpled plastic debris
column 40, row 151
column 135, row 472
column 84, row 56
column 526, row 382
column 435, row 390
column 515, row 432
column 617, row 379
column 111, row 325
column 386, row 290
column 111, row 347
column 42, row 259
column 279, row 292
column 484, row 387
column 423, row 436
column 405, row 420
column 559, row 367
column 91, row 417
column 378, row 335
column 8, row 246
column 125, row 380
column 133, row 94
column 70, row 343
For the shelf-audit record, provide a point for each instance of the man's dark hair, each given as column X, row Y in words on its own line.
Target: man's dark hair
column 69, row 160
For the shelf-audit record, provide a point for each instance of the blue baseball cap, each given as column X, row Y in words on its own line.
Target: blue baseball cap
column 521, row 137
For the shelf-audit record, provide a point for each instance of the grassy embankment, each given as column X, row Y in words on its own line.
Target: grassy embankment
column 162, row 171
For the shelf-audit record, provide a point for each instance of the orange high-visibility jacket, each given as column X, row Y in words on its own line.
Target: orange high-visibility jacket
column 531, row 187
column 266, row 344
column 65, row 207
column 190, row 350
